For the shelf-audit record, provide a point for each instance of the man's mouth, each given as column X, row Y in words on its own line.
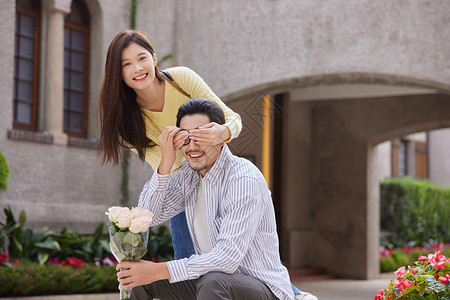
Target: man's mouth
column 140, row 77
column 196, row 155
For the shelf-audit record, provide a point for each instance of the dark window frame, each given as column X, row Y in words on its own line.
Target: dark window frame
column 34, row 102
column 84, row 111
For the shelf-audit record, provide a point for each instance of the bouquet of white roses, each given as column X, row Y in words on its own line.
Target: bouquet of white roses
column 128, row 235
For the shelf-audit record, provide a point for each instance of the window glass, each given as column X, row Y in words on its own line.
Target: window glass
column 75, row 73
column 26, row 45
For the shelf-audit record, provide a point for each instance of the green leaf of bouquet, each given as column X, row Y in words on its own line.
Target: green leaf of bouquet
column 139, row 252
column 133, row 239
column 127, row 248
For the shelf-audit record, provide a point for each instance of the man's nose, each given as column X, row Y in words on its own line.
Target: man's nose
column 192, row 145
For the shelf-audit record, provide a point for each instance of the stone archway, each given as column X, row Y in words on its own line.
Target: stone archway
column 344, row 202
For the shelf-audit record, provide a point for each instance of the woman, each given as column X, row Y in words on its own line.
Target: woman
column 137, row 102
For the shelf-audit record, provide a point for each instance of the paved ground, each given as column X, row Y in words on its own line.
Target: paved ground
column 335, row 289
column 340, row 289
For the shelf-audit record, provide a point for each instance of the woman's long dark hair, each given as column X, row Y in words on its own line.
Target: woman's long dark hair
column 121, row 120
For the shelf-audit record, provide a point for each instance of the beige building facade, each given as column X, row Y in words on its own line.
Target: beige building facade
column 343, row 78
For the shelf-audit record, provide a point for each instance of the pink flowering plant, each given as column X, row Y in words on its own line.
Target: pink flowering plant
column 428, row 279
column 128, row 235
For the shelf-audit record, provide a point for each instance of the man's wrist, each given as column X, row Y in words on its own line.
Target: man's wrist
column 163, row 271
column 165, row 167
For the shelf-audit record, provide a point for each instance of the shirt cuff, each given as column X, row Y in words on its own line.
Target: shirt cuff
column 231, row 135
column 177, row 270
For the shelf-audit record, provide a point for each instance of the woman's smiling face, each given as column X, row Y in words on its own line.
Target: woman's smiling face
column 138, row 66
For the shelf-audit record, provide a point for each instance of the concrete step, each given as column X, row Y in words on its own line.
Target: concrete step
column 309, row 274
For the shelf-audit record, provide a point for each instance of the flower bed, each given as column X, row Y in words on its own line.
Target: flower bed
column 427, row 279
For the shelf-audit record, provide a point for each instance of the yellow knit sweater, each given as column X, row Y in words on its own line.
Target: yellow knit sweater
column 194, row 85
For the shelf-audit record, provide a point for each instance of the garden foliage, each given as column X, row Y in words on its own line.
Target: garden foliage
column 4, row 172
column 414, row 211
column 28, row 278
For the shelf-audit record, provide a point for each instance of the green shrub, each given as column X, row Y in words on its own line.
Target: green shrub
column 4, row 172
column 30, row 278
column 414, row 210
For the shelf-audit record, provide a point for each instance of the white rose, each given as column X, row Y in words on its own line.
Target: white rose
column 136, row 225
column 145, row 222
column 140, row 212
column 140, row 224
column 124, row 218
column 113, row 213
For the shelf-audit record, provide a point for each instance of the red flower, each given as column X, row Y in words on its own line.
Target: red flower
column 423, row 258
column 386, row 252
column 16, row 262
column 406, row 283
column 440, row 265
column 4, row 257
column 400, row 271
column 444, row 280
column 75, row 262
column 402, row 284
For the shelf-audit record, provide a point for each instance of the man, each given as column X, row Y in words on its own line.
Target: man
column 230, row 216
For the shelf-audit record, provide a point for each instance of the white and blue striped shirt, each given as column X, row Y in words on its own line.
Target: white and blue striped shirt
column 240, row 217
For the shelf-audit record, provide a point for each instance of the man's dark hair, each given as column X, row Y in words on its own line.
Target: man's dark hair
column 201, row 106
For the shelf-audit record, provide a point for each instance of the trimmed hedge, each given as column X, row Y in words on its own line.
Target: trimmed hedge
column 415, row 210
column 4, row 172
column 34, row 279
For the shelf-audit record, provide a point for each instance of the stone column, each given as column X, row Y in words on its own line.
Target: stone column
column 54, row 66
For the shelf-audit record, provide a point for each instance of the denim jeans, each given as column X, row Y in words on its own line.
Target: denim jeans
column 182, row 242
